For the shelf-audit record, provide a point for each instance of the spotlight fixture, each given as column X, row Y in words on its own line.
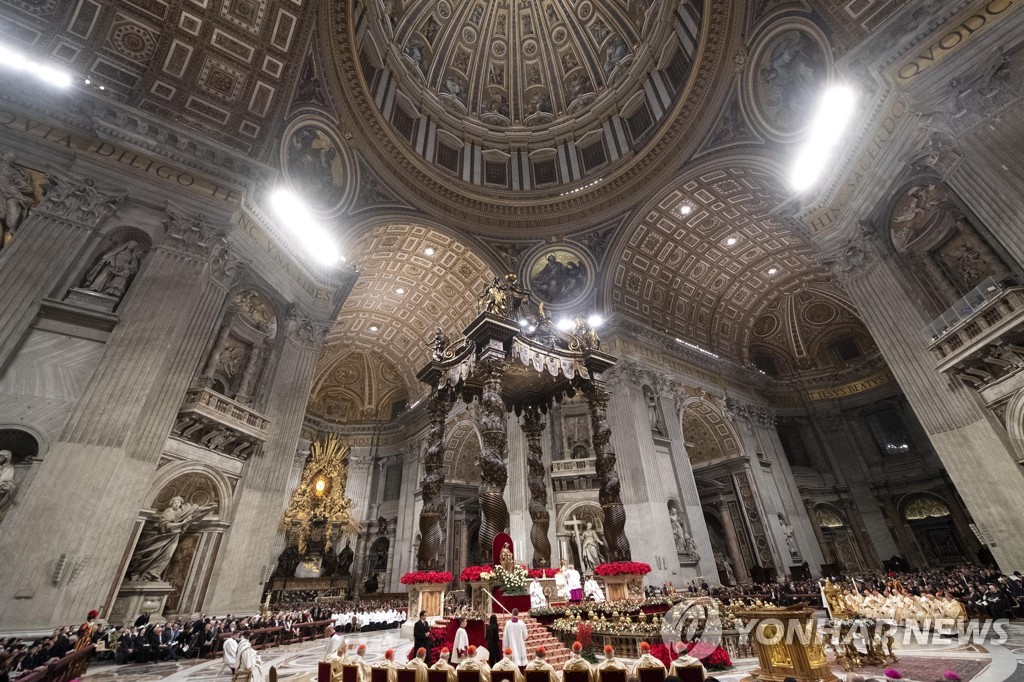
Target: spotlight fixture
column 595, row 320
column 826, row 131
column 685, row 209
column 373, row 328
column 399, row 291
column 731, row 241
column 297, row 219
column 772, row 271
column 429, row 251
column 565, row 324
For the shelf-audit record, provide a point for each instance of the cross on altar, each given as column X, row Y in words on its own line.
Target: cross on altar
column 574, row 523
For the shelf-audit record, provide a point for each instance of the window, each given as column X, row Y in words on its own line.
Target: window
column 403, row 123
column 678, row 68
column 448, row 157
column 496, row 173
column 846, row 349
column 793, row 445
column 639, row 122
column 891, row 432
column 544, row 172
column 766, row 364
column 593, row 156
column 392, row 482
column 398, row 407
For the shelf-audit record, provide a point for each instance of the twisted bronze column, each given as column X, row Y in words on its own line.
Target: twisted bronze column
column 533, row 427
column 489, row 415
column 607, row 476
column 429, row 556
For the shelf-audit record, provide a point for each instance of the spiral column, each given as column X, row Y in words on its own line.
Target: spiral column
column 489, row 416
column 607, row 476
column 429, row 556
column 533, row 428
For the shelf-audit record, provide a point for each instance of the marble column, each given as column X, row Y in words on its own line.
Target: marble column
column 911, row 550
column 254, row 540
column 968, row 439
column 43, row 256
column 103, row 463
column 491, row 421
column 732, row 543
column 607, row 476
column 517, row 492
column 867, row 550
column 826, row 552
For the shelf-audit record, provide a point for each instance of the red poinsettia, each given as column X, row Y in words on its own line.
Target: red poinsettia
column 712, row 656
column 419, row 577
column 623, row 568
column 661, row 652
column 584, row 634
column 542, row 572
column 472, row 573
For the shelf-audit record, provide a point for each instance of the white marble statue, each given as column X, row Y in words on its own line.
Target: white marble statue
column 114, row 271
column 7, row 485
column 156, row 547
column 590, row 544
column 677, row 530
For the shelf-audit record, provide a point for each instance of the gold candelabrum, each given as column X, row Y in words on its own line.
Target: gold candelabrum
column 788, row 645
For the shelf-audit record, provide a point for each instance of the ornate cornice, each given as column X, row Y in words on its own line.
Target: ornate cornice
column 858, row 255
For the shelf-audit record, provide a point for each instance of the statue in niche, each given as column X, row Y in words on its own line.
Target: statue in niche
column 788, row 533
column 345, row 557
column 507, row 559
column 287, row 562
column 114, row 270
column 590, row 544
column 730, row 577
column 15, row 192
column 677, row 530
column 159, row 539
column 7, row 485
column 654, row 415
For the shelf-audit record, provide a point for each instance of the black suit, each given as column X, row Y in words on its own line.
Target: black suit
column 421, row 636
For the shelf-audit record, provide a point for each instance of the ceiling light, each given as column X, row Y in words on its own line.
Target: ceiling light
column 429, row 250
column 531, row 329
column 16, row 61
column 298, row 220
column 373, row 327
column 685, row 209
column 772, row 271
column 565, row 324
column 595, row 320
column 102, row 88
column 87, row 81
column 830, row 119
column 731, row 241
column 399, row 291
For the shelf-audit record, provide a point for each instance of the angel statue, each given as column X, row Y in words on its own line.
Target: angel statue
column 156, row 546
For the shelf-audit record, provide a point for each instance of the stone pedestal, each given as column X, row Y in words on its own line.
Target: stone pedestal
column 781, row 656
column 479, row 600
column 427, row 597
column 137, row 597
column 619, row 587
column 92, row 299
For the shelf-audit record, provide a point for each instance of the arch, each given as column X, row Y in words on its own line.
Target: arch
column 462, row 447
column 377, row 556
column 1014, row 422
column 356, row 386
column 24, row 442
column 708, row 435
column 161, row 487
column 921, row 506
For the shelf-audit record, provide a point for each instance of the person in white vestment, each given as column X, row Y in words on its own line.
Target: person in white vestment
column 361, row 664
column 231, row 652
column 249, row 660
column 444, row 665
column 475, row 662
column 460, row 646
column 646, row 660
column 537, row 598
column 577, row 663
column 389, row 664
column 572, row 581
column 334, row 640
column 592, row 590
column 507, row 664
column 515, row 639
column 419, row 665
column 539, row 664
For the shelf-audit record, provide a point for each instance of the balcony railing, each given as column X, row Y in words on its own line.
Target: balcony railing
column 574, row 467
column 234, row 415
column 986, row 319
column 964, row 309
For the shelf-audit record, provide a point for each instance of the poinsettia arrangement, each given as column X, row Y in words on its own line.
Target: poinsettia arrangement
column 542, row 572
column 475, row 573
column 421, row 577
column 713, row 657
column 622, row 568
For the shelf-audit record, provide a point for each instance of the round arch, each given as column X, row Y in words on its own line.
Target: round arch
column 707, row 432
column 220, row 485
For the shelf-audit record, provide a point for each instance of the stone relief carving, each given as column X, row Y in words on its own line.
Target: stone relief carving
column 15, row 193
column 192, row 234
column 305, row 331
column 79, row 199
column 114, row 270
column 857, row 257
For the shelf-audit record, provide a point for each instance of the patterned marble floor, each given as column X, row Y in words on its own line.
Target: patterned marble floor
column 297, row 662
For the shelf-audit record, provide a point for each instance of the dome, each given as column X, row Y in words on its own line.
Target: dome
column 488, row 104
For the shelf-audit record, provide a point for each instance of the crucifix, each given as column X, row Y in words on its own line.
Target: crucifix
column 574, row 523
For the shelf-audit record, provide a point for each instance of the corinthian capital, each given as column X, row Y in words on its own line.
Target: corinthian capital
column 191, row 234
column 305, row 331
column 858, row 255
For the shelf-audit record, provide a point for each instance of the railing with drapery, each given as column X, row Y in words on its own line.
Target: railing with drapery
column 70, row 667
column 970, row 305
column 574, row 467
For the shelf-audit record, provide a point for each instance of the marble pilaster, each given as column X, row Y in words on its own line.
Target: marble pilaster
column 732, row 543
column 517, row 493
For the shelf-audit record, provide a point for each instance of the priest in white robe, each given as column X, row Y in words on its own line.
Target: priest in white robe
column 515, row 639
column 561, row 585
column 231, row 652
column 537, row 598
column 507, row 664
column 646, row 660
column 249, row 660
column 390, row 665
column 685, row 663
column 609, row 662
column 540, row 664
column 460, row 646
column 362, row 664
column 443, row 665
column 334, row 640
column 572, row 581
column 577, row 663
column 419, row 664
column 592, row 590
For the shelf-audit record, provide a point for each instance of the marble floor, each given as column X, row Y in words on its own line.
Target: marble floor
column 990, row 661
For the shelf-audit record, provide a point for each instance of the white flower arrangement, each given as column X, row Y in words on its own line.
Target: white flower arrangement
column 512, row 583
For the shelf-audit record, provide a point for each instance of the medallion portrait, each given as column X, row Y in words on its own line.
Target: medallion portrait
column 788, row 76
column 558, row 276
column 318, row 168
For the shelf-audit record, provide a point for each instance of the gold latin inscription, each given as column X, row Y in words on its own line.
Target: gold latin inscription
column 952, row 36
column 874, row 381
